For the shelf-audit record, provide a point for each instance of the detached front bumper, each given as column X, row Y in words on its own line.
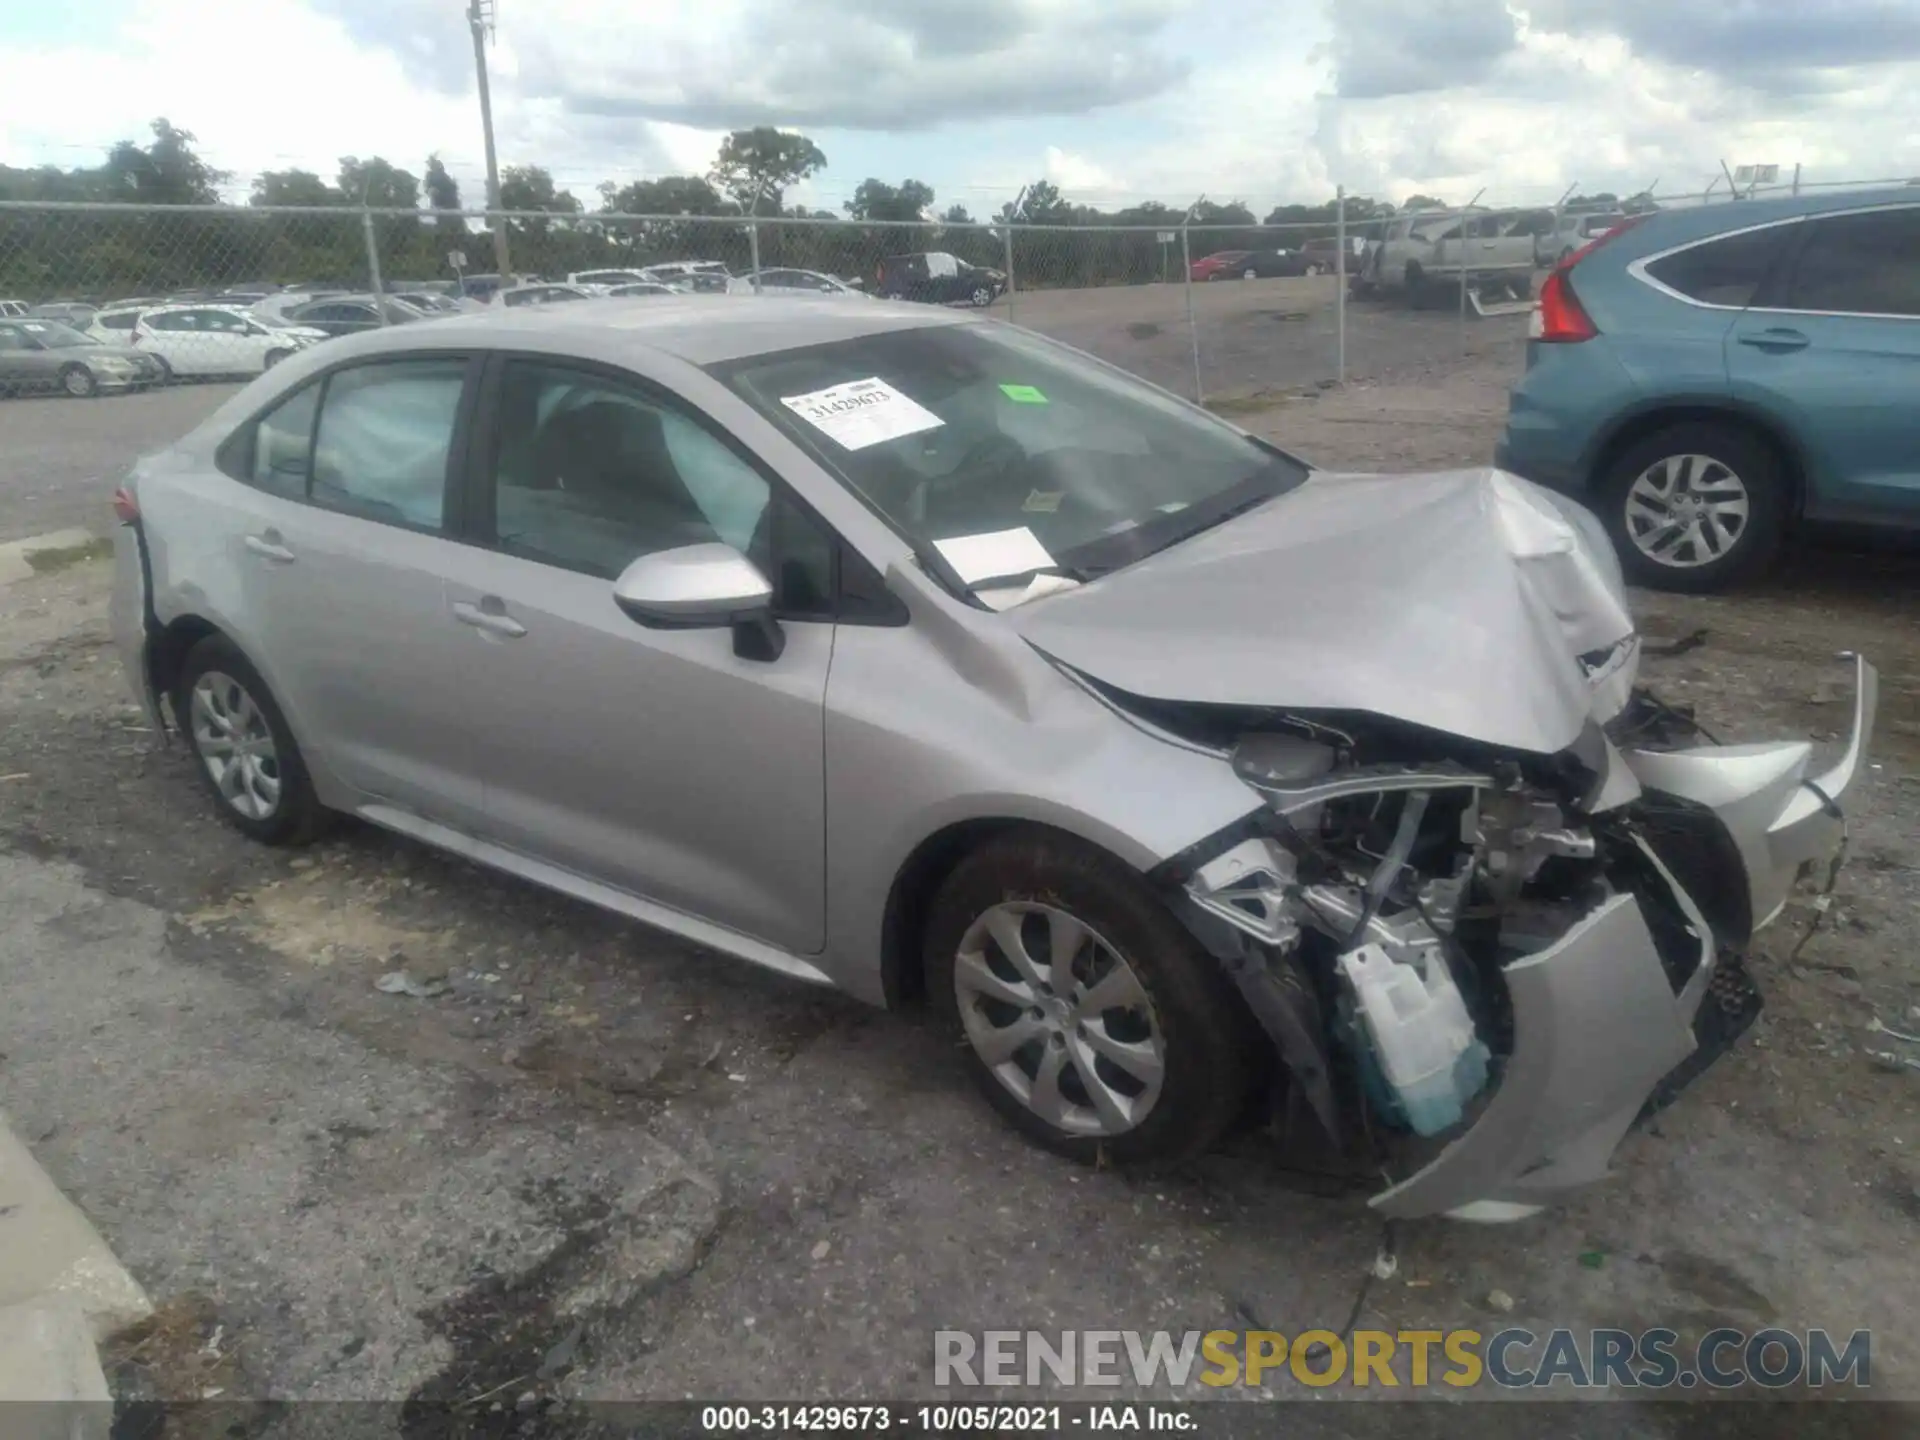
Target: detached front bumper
column 1598, row 1027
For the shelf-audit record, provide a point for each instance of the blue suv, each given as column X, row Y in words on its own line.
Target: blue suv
column 1707, row 379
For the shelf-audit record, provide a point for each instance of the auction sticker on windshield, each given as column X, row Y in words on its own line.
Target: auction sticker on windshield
column 862, row 413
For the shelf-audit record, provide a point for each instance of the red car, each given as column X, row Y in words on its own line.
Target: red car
column 1248, row 264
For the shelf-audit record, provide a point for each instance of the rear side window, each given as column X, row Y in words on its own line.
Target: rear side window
column 1728, row 271
column 1865, row 264
column 282, row 444
column 384, row 436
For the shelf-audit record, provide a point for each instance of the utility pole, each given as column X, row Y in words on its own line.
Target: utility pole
column 480, row 21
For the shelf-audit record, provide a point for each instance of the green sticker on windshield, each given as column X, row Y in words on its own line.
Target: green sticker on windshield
column 1023, row 394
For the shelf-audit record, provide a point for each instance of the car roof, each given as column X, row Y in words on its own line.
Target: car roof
column 232, row 307
column 699, row 329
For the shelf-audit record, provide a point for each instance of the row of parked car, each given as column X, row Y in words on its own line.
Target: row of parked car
column 85, row 349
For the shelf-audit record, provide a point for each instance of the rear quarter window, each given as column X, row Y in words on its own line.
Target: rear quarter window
column 1727, row 272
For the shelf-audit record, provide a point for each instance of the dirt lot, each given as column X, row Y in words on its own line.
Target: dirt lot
column 601, row 1163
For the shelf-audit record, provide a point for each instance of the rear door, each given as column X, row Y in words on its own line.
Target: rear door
column 1832, row 345
column 344, row 551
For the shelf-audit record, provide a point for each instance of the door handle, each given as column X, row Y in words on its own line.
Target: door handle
column 494, row 622
column 1780, row 340
column 269, row 546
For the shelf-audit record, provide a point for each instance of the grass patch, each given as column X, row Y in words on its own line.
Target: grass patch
column 1231, row 405
column 42, row 561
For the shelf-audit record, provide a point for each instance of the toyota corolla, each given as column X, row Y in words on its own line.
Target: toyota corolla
column 912, row 653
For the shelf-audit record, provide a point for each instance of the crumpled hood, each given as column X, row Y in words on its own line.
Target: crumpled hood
column 1461, row 601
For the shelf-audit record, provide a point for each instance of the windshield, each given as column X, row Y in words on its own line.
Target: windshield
column 962, row 434
column 55, row 335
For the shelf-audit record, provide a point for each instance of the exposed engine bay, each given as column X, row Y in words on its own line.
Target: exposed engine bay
column 1478, row 971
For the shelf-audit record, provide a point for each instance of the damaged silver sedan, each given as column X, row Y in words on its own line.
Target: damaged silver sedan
column 914, row 654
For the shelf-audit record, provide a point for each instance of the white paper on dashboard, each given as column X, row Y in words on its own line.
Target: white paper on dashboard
column 862, row 413
column 996, row 553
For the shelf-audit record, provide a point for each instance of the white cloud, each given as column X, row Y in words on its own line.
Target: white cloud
column 1115, row 101
column 1081, row 177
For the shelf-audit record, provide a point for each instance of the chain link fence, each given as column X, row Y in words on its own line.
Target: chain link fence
column 1222, row 314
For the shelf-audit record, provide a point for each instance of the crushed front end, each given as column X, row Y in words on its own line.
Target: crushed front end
column 1480, row 968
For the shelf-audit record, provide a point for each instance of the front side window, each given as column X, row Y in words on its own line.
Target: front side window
column 1728, row 271
column 1866, row 264
column 176, row 320
column 124, row 320
column 953, row 433
column 591, row 474
column 385, row 431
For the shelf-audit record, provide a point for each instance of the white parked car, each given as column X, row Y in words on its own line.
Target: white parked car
column 605, row 279
column 1571, row 232
column 218, row 339
column 793, row 282
column 14, row 307
column 548, row 294
column 642, row 287
column 706, row 276
column 1425, row 253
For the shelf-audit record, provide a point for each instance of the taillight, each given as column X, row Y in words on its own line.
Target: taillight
column 125, row 506
column 1561, row 320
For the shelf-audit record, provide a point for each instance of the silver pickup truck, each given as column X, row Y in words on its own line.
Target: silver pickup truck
column 1424, row 256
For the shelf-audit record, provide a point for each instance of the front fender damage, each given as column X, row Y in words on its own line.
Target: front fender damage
column 1477, row 977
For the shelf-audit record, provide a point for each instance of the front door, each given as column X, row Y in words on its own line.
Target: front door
column 1835, row 349
column 654, row 760
column 344, row 553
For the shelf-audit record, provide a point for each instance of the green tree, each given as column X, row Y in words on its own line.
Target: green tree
column 293, row 187
column 1423, row 202
column 758, row 165
column 167, row 172
column 1043, row 204
column 877, row 200
column 531, row 187
column 956, row 214
column 443, row 193
column 669, row 195
column 378, row 183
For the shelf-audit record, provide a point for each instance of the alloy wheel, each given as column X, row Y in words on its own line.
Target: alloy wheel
column 1687, row 510
column 1060, row 1018
column 235, row 743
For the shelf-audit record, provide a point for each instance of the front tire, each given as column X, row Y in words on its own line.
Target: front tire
column 244, row 752
column 274, row 357
column 78, row 381
column 1091, row 1019
column 1695, row 507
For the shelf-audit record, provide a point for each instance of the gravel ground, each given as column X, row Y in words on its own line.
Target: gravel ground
column 602, row 1163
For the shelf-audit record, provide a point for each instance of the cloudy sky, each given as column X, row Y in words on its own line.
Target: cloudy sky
column 1113, row 100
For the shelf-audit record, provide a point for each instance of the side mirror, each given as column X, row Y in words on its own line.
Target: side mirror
column 698, row 586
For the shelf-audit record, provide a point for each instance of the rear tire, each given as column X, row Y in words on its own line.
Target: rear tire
column 1169, row 997
column 1696, row 507
column 243, row 751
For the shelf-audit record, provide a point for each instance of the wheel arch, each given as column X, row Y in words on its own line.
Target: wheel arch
column 919, row 878
column 167, row 650
column 1637, row 424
